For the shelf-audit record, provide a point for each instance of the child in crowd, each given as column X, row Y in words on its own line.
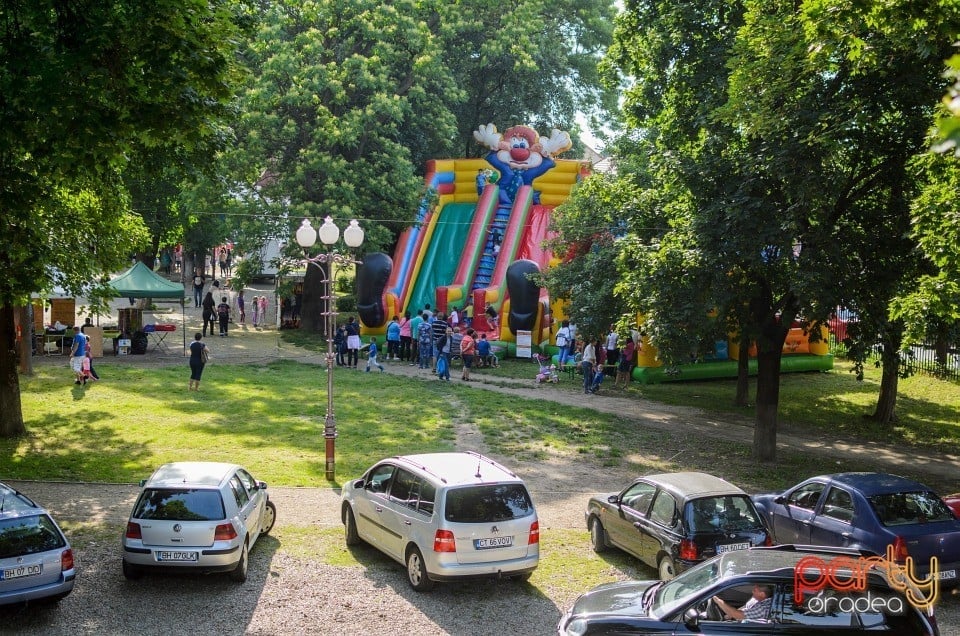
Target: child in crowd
column 340, row 344
column 255, row 310
column 372, row 355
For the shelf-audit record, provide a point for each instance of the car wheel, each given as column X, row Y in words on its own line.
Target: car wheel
column 598, row 536
column 131, row 572
column 417, row 571
column 666, row 568
column 350, row 527
column 239, row 573
column 269, row 517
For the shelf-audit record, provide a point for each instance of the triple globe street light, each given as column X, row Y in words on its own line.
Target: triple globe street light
column 329, row 234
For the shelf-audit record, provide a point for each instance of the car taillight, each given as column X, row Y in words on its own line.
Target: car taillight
column 66, row 560
column 688, row 550
column 768, row 541
column 900, row 552
column 224, row 532
column 534, row 537
column 443, row 541
column 133, row 531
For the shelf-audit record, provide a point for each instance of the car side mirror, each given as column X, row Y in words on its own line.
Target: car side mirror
column 262, row 485
column 614, row 499
column 781, row 500
column 143, row 482
column 691, row 618
column 359, row 484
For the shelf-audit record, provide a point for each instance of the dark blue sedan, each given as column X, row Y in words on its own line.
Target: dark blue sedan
column 868, row 511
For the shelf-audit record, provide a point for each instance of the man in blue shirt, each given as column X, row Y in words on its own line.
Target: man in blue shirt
column 78, row 351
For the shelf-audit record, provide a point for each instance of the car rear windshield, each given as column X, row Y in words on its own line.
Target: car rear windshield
column 179, row 504
column 720, row 514
column 29, row 535
column 482, row 504
column 905, row 508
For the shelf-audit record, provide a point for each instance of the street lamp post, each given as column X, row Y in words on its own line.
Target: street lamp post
column 329, row 233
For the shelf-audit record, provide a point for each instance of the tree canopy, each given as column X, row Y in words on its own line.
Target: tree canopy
column 82, row 86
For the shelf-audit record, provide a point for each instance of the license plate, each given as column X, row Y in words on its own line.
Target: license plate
column 730, row 547
column 947, row 574
column 21, row 571
column 492, row 542
column 176, row 556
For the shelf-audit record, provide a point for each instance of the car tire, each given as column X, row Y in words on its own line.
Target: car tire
column 269, row 517
column 666, row 568
column 239, row 573
column 598, row 536
column 350, row 534
column 417, row 571
column 131, row 572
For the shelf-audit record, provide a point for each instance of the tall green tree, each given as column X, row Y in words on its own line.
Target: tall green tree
column 338, row 86
column 81, row 85
column 782, row 167
column 529, row 62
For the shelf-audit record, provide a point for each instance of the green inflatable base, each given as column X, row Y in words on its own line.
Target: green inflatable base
column 728, row 369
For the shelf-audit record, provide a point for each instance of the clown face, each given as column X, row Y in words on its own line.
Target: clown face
column 520, row 148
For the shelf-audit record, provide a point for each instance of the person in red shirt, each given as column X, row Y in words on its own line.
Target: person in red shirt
column 468, row 348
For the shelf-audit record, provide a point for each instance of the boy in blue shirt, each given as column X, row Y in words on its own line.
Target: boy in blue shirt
column 372, row 355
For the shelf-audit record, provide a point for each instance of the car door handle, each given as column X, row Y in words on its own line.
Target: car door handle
column 407, row 522
column 845, row 535
column 379, row 509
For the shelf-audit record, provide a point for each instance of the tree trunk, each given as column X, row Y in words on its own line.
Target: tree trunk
column 743, row 374
column 314, row 304
column 24, row 326
column 885, row 412
column 11, row 414
column 768, row 401
column 769, row 352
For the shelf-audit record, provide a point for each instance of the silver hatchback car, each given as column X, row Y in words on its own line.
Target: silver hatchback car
column 446, row 516
column 197, row 516
column 36, row 560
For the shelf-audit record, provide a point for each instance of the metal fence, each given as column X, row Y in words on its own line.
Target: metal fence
column 922, row 357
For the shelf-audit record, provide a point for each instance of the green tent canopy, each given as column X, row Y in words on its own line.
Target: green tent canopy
column 140, row 282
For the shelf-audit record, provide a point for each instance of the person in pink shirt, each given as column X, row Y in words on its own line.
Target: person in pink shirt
column 406, row 337
column 263, row 310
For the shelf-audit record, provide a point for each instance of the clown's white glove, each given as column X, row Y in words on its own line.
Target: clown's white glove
column 488, row 136
column 559, row 141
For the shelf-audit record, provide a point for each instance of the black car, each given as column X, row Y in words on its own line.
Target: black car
column 673, row 521
column 686, row 604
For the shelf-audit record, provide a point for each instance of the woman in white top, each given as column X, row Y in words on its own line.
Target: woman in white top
column 587, row 364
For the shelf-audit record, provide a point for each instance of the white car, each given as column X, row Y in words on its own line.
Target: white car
column 445, row 516
column 197, row 516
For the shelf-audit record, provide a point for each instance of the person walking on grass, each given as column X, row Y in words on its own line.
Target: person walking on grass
column 223, row 314
column 78, row 351
column 240, row 308
column 198, row 356
column 209, row 311
column 372, row 355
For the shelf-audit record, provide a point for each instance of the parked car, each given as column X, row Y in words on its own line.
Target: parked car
column 36, row 560
column 672, row 521
column 953, row 502
column 868, row 511
column 198, row 517
column 685, row 604
column 446, row 516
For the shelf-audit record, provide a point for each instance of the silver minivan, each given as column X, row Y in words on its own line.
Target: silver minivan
column 446, row 516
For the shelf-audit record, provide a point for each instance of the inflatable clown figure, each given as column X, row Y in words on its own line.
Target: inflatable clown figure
column 520, row 155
